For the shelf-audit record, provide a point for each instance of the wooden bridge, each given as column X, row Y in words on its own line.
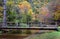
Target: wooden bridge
column 31, row 27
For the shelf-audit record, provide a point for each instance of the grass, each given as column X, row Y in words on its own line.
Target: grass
column 52, row 35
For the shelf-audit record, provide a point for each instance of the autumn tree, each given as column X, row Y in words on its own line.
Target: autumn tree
column 57, row 14
column 26, row 11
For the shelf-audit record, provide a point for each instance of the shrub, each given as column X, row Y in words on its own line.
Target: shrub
column 22, row 25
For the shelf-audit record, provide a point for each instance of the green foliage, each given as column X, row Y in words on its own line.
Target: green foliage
column 23, row 25
column 25, row 11
column 23, row 19
column 11, row 16
column 1, row 2
column 59, row 28
column 0, row 32
column 12, row 13
column 12, row 3
column 1, row 20
column 57, row 15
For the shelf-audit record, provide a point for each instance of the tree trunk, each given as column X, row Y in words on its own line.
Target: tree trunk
column 4, row 13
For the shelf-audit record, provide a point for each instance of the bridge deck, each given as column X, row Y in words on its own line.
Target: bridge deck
column 35, row 28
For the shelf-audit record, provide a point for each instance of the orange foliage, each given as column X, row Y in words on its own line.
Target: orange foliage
column 24, row 4
column 44, row 11
column 21, row 6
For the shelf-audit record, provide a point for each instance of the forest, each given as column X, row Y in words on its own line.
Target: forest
column 27, row 11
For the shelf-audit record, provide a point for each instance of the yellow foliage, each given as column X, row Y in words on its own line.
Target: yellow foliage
column 1, row 8
column 10, row 2
column 1, row 14
column 35, row 3
column 30, row 11
column 24, row 4
column 57, row 15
